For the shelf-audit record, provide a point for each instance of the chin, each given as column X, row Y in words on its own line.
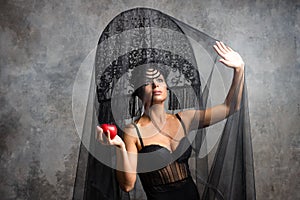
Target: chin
column 158, row 100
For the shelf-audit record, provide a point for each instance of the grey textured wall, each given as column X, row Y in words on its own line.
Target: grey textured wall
column 44, row 42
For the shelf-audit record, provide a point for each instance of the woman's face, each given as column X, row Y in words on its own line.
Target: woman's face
column 154, row 90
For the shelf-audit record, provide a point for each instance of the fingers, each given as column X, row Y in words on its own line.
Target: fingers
column 99, row 136
column 230, row 49
column 225, row 62
column 99, row 133
column 108, row 137
column 218, row 50
column 221, row 48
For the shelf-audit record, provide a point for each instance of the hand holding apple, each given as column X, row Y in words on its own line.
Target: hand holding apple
column 111, row 128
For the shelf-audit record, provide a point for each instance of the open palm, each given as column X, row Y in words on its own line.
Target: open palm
column 229, row 57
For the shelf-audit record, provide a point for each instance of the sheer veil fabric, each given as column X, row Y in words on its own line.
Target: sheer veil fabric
column 221, row 162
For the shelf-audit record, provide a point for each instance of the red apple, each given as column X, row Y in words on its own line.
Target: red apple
column 112, row 129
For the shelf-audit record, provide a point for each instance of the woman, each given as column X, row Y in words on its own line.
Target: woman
column 158, row 130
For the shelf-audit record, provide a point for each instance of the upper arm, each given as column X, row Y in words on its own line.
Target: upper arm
column 130, row 141
column 127, row 173
column 202, row 118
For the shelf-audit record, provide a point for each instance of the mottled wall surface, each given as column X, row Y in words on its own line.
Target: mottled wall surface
column 44, row 42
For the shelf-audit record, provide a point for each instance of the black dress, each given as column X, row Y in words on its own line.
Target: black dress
column 173, row 181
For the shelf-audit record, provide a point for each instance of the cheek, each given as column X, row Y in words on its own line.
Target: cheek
column 165, row 88
column 146, row 93
column 166, row 93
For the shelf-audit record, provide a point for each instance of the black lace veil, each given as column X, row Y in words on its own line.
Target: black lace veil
column 221, row 162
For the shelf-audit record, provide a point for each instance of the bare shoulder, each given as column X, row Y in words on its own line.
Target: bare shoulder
column 187, row 115
column 130, row 130
column 130, row 134
column 191, row 118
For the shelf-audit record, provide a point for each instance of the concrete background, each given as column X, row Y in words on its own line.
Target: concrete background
column 44, row 42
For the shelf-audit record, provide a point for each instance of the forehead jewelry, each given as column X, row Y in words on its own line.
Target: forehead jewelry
column 152, row 73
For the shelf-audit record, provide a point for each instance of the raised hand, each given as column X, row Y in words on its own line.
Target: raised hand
column 229, row 57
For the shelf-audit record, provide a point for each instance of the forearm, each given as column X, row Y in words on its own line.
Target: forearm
column 234, row 96
column 126, row 169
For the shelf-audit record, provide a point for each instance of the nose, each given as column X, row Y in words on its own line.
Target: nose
column 155, row 84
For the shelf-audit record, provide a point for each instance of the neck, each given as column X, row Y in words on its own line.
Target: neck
column 156, row 112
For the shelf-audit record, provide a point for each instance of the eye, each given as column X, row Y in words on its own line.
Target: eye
column 147, row 83
column 160, row 80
